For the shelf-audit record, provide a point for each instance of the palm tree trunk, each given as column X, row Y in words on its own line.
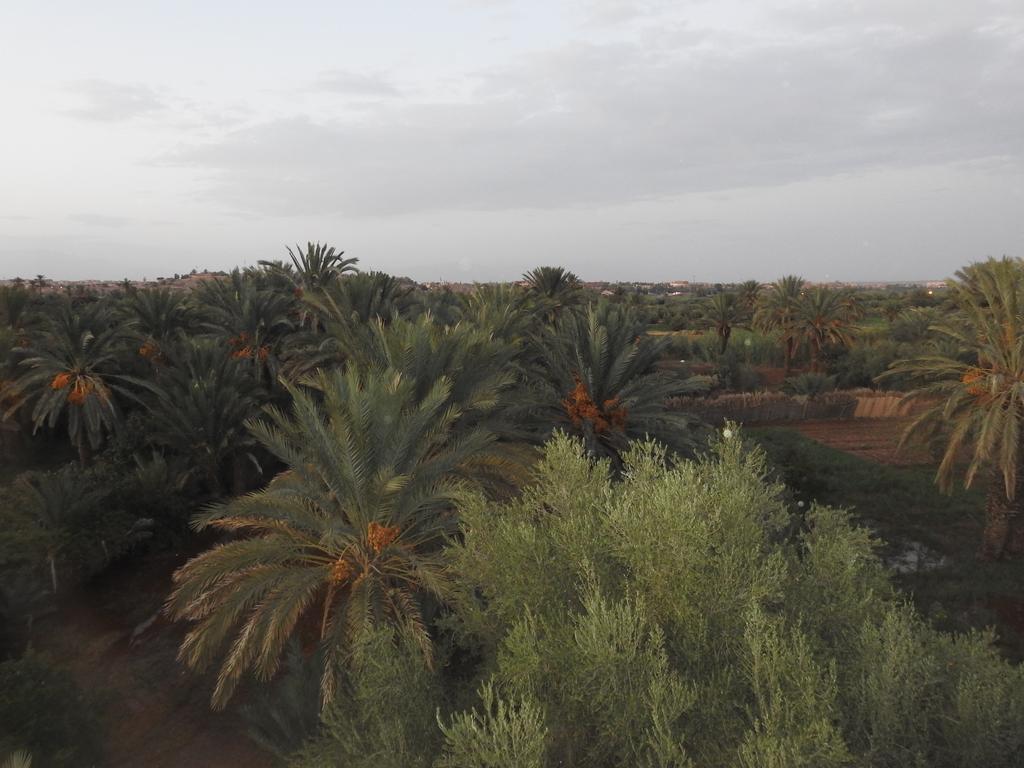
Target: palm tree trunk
column 787, row 363
column 1004, row 529
column 815, row 356
column 723, row 336
column 53, row 571
column 84, row 453
column 238, row 475
column 213, row 484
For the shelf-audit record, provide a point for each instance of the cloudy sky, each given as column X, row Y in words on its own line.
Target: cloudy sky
column 475, row 139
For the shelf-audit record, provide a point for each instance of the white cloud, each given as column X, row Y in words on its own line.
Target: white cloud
column 355, row 84
column 620, row 121
column 106, row 101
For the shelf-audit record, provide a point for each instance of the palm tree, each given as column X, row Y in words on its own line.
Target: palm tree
column 14, row 302
column 892, row 308
column 311, row 271
column 364, row 297
column 723, row 312
column 501, row 309
column 481, row 372
column 19, row 759
column 315, row 268
column 252, row 321
column 824, row 317
column 346, row 312
column 424, row 352
column 158, row 316
column 596, row 377
column 54, row 500
column 748, row 292
column 555, row 289
column 777, row 311
column 445, row 306
column 73, row 370
column 201, row 401
column 977, row 400
column 349, row 538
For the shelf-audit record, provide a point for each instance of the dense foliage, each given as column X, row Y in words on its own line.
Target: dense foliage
column 427, row 528
column 45, row 714
column 677, row 617
column 975, row 393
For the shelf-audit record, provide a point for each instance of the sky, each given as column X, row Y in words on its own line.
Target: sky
column 472, row 140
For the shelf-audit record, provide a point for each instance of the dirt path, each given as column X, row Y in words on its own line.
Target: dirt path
column 156, row 714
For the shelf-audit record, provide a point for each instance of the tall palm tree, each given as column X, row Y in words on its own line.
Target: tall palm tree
column 350, row 537
column 824, row 317
column 199, row 406
column 777, row 311
column 315, row 268
column 976, row 400
column 312, row 271
column 554, row 288
column 724, row 312
column 72, row 370
column 596, row 377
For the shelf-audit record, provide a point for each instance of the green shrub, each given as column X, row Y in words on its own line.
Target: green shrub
column 44, row 712
column 809, row 384
column 384, row 715
column 861, row 364
column 736, row 375
column 505, row 735
column 679, row 617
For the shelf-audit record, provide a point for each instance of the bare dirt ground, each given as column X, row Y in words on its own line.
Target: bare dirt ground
column 873, row 439
column 156, row 713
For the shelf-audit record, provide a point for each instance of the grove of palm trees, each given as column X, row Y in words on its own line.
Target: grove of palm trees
column 310, row 515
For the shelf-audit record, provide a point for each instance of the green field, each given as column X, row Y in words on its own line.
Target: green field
column 902, row 505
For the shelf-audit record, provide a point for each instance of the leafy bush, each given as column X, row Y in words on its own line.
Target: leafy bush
column 505, row 735
column 384, row 713
column 860, row 365
column 914, row 325
column 735, row 375
column 679, row 617
column 44, row 712
column 809, row 384
column 678, row 347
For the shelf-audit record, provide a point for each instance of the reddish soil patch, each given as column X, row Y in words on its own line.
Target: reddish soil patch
column 873, row 439
column 772, row 378
column 155, row 712
column 1010, row 610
